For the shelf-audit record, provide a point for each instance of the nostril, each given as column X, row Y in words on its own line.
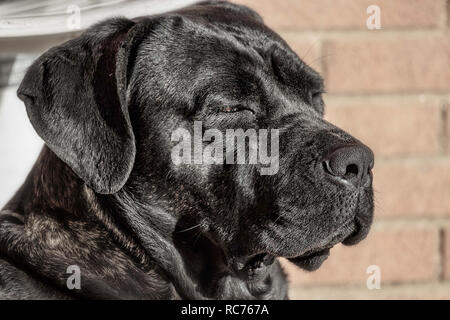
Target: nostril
column 352, row 170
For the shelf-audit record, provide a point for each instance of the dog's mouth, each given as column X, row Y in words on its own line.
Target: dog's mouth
column 256, row 264
column 349, row 233
column 311, row 260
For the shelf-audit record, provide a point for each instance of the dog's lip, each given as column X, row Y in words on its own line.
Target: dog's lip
column 311, row 260
column 253, row 265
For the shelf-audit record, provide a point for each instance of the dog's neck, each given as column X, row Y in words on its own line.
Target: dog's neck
column 122, row 247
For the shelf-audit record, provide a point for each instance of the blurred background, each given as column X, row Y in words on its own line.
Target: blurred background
column 387, row 84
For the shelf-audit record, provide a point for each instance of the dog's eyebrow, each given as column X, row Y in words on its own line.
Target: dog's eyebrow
column 317, row 84
column 287, row 64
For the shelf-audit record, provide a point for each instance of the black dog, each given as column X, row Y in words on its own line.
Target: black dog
column 105, row 196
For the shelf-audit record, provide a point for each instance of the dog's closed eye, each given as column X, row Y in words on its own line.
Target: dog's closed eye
column 316, row 101
column 235, row 108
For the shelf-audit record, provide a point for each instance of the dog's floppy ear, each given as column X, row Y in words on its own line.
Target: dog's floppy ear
column 75, row 96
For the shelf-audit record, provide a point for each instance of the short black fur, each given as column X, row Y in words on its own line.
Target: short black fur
column 105, row 196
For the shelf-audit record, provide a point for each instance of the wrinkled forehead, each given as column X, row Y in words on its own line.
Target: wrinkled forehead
column 212, row 47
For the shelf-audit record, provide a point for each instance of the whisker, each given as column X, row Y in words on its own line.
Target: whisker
column 190, row 228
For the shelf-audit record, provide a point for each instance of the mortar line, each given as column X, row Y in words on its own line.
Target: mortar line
column 355, row 286
column 413, row 159
column 411, row 222
column 444, row 127
column 384, row 95
column 441, row 252
column 406, row 33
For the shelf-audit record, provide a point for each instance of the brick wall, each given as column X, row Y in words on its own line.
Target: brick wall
column 391, row 89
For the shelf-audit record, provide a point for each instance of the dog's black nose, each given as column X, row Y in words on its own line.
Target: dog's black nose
column 351, row 163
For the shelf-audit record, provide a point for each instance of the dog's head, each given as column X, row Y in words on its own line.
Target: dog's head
column 108, row 103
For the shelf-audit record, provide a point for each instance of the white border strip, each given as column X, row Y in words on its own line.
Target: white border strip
column 56, row 23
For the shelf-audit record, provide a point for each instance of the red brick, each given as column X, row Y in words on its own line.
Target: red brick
column 389, row 126
column 403, row 255
column 387, row 65
column 446, row 254
column 344, row 14
column 412, row 188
